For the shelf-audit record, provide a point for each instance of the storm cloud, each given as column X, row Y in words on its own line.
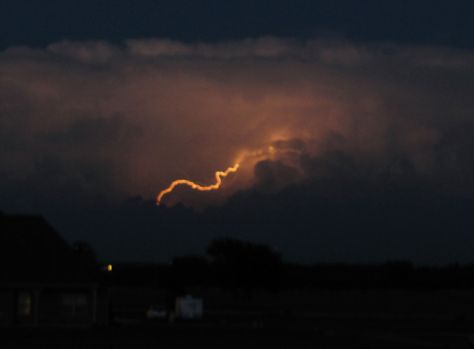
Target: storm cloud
column 92, row 120
column 84, row 126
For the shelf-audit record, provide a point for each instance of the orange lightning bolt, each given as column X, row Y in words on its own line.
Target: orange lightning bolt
column 219, row 175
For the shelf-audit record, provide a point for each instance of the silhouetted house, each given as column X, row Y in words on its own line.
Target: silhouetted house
column 43, row 280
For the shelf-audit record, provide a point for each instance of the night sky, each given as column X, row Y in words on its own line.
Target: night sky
column 353, row 123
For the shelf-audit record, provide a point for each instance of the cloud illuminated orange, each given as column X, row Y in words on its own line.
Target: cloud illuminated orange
column 98, row 120
column 218, row 175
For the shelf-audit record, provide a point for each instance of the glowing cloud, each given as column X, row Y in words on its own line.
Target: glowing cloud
column 104, row 122
column 219, row 175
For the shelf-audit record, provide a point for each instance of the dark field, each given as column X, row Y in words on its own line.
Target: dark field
column 392, row 335
column 296, row 319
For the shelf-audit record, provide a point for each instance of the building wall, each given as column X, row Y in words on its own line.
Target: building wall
column 7, row 306
column 51, row 306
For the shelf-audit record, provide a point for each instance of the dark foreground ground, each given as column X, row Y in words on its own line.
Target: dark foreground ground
column 324, row 332
column 312, row 318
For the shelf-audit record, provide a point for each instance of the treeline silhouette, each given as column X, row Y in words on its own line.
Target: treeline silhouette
column 242, row 265
column 31, row 251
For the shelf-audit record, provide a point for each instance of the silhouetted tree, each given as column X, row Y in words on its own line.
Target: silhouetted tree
column 86, row 256
column 188, row 271
column 245, row 265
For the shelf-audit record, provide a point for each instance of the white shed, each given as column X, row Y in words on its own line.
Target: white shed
column 189, row 308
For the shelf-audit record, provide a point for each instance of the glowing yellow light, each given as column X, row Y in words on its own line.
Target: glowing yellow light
column 109, row 267
column 218, row 175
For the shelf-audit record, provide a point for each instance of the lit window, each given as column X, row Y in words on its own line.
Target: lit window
column 25, row 302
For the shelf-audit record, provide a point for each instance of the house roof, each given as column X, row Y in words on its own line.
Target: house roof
column 32, row 251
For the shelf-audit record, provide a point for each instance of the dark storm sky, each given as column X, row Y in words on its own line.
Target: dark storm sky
column 356, row 119
column 430, row 22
